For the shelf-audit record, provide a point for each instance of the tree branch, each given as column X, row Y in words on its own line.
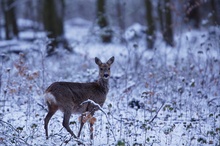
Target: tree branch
column 101, row 109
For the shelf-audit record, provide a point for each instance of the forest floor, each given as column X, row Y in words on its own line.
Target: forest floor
column 165, row 96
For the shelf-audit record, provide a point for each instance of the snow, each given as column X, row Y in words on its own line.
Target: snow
column 175, row 91
column 134, row 31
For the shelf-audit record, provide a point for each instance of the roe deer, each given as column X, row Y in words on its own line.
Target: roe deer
column 69, row 96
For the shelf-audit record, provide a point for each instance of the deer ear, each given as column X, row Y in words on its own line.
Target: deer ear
column 111, row 60
column 98, row 61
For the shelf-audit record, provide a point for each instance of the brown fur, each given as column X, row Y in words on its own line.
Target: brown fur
column 68, row 97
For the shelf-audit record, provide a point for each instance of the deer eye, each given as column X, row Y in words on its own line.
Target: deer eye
column 108, row 68
column 101, row 68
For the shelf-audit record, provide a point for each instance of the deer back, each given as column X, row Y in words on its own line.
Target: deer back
column 68, row 96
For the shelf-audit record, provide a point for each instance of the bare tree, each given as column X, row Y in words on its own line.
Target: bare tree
column 10, row 21
column 106, row 32
column 120, row 12
column 192, row 13
column 168, row 32
column 165, row 20
column 215, row 4
column 120, row 5
column 53, row 14
column 150, row 24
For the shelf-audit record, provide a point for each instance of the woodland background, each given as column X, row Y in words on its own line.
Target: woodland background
column 166, row 17
column 164, row 87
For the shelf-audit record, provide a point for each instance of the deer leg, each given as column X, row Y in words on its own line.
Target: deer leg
column 91, row 123
column 51, row 112
column 91, row 131
column 66, row 123
column 81, row 126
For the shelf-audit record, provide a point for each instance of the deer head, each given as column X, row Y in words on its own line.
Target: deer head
column 104, row 68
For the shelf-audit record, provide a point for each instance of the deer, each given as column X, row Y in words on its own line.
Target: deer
column 71, row 97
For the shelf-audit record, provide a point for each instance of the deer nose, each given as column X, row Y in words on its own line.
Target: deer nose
column 106, row 75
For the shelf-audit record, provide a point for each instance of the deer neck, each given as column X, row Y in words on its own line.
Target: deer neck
column 104, row 83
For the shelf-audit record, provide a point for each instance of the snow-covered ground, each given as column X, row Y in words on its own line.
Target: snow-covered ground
column 166, row 96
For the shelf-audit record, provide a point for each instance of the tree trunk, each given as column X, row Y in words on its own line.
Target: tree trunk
column 168, row 30
column 160, row 15
column 120, row 12
column 150, row 24
column 192, row 13
column 11, row 28
column 53, row 14
column 120, row 7
column 215, row 4
column 106, row 32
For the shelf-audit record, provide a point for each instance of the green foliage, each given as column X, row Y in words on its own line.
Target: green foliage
column 120, row 143
column 202, row 140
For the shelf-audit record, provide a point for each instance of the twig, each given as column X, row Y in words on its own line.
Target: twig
column 101, row 109
column 12, row 127
column 42, row 106
column 80, row 142
column 21, row 140
column 94, row 103
column 157, row 113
